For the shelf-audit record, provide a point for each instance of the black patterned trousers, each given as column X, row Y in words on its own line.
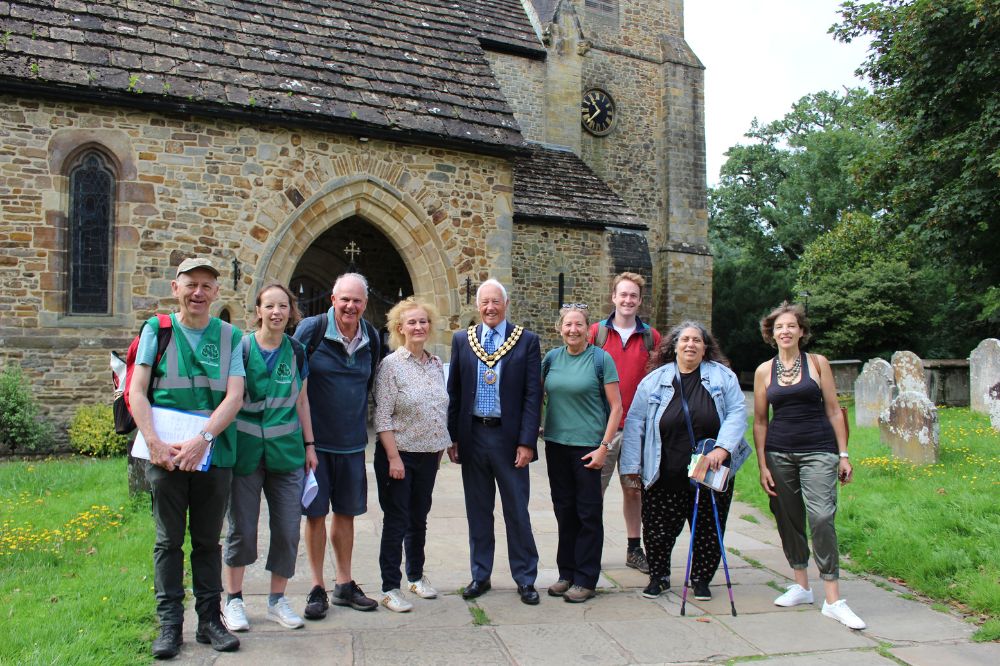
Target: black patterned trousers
column 665, row 509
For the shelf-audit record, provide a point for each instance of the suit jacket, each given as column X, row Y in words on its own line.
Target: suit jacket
column 520, row 390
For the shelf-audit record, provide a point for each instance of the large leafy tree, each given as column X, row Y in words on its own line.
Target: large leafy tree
column 934, row 66
column 778, row 193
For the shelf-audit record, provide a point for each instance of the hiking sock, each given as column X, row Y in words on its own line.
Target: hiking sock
column 273, row 597
column 234, row 595
column 633, row 543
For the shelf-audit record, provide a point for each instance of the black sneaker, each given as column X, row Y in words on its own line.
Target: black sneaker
column 317, row 603
column 349, row 594
column 636, row 559
column 211, row 630
column 168, row 644
column 701, row 591
column 656, row 587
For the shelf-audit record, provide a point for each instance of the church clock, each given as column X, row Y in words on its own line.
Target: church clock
column 597, row 112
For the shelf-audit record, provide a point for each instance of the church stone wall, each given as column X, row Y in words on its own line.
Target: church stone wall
column 193, row 185
column 540, row 254
column 522, row 82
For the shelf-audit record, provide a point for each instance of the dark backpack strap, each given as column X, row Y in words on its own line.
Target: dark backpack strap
column 245, row 349
column 299, row 350
column 547, row 364
column 602, row 334
column 317, row 333
column 647, row 337
column 375, row 345
column 163, row 335
column 598, row 355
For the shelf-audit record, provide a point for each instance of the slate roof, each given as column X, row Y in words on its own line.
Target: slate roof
column 503, row 25
column 405, row 70
column 554, row 186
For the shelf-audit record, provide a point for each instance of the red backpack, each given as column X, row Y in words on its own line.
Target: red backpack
column 124, row 423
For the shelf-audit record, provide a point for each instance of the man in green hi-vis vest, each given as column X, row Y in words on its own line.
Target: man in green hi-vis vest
column 201, row 370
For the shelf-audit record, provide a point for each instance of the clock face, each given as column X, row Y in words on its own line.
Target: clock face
column 597, row 112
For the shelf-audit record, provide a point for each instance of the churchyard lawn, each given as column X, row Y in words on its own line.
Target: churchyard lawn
column 75, row 564
column 934, row 528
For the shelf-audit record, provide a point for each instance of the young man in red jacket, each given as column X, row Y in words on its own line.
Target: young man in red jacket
column 630, row 342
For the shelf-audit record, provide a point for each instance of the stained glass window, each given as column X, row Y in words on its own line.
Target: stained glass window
column 91, row 213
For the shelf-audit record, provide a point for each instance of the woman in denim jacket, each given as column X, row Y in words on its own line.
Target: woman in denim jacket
column 657, row 446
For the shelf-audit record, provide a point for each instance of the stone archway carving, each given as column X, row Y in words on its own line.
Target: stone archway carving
column 396, row 213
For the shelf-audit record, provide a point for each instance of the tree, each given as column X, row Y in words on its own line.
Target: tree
column 791, row 185
column 775, row 197
column 934, row 66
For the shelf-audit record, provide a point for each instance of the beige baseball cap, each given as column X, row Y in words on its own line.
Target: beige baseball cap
column 196, row 262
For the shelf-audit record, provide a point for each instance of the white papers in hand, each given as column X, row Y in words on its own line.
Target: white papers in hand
column 309, row 490
column 173, row 426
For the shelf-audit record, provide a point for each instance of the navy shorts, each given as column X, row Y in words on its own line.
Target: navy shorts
column 342, row 485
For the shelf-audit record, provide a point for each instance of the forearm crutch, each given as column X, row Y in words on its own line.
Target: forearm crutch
column 687, row 570
column 722, row 549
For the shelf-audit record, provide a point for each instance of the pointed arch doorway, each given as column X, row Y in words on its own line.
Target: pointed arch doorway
column 352, row 245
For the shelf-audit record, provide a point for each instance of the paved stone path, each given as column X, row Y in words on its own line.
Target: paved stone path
column 617, row 627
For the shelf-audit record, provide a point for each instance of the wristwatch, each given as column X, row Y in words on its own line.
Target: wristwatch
column 845, row 454
column 608, row 446
column 207, row 436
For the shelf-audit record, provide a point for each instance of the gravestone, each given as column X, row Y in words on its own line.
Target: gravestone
column 872, row 392
column 910, row 427
column 984, row 372
column 994, row 401
column 908, row 370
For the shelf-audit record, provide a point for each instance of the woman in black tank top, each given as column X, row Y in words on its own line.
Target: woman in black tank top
column 802, row 452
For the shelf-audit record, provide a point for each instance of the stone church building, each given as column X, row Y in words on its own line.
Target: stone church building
column 429, row 145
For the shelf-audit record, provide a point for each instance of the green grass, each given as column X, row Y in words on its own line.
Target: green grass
column 479, row 616
column 936, row 528
column 75, row 565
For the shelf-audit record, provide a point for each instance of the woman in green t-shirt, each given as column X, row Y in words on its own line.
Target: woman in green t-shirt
column 583, row 409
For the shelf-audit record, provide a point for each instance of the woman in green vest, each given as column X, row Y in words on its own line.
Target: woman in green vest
column 274, row 453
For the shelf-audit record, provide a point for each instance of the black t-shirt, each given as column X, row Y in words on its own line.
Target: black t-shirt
column 676, row 452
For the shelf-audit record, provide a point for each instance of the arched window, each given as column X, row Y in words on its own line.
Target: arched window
column 91, row 223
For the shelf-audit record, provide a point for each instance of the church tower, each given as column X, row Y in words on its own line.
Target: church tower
column 624, row 68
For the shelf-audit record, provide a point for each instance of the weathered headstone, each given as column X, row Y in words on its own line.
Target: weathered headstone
column 909, row 372
column 137, row 481
column 910, row 427
column 872, row 392
column 984, row 372
column 993, row 396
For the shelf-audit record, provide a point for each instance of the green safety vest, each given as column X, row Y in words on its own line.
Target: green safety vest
column 195, row 380
column 268, row 425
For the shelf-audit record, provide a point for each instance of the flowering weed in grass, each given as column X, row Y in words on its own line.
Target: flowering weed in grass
column 75, row 565
column 935, row 527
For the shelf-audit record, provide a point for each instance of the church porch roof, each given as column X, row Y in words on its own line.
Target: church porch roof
column 552, row 185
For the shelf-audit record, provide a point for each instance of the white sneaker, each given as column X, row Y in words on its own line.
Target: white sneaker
column 234, row 616
column 794, row 596
column 394, row 601
column 839, row 611
column 422, row 588
column 282, row 613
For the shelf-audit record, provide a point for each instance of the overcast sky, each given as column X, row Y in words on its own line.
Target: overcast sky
column 760, row 56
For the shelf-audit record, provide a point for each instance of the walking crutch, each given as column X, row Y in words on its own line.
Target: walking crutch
column 687, row 570
column 722, row 549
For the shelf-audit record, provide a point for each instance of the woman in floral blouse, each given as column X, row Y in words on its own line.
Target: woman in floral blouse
column 411, row 418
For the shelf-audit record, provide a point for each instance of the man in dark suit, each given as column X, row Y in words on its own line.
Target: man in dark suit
column 495, row 399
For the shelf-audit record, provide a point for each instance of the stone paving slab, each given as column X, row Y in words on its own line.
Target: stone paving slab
column 839, row 658
column 669, row 640
column 892, row 618
column 959, row 654
column 455, row 647
column 539, row 644
column 795, row 632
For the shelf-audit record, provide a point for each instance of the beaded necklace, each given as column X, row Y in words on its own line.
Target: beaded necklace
column 787, row 376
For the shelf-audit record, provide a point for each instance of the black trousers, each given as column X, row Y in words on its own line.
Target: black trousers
column 405, row 504
column 196, row 500
column 579, row 507
column 488, row 466
column 665, row 509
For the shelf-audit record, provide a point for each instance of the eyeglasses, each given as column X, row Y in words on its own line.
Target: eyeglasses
column 574, row 306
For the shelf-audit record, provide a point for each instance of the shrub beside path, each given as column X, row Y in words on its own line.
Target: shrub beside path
column 617, row 627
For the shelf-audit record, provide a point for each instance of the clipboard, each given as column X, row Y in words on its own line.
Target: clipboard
column 174, row 425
